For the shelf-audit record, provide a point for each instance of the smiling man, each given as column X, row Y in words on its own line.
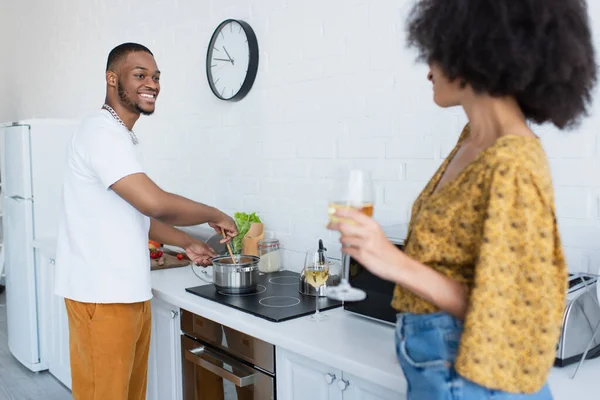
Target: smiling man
column 110, row 210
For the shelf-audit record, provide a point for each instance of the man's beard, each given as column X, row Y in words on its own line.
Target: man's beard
column 130, row 105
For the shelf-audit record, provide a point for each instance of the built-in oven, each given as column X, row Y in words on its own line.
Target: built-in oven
column 220, row 363
column 377, row 304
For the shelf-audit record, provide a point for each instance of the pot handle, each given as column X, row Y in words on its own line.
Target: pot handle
column 203, row 272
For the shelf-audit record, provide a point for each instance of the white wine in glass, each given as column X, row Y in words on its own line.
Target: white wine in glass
column 316, row 276
column 316, row 272
column 366, row 208
column 356, row 192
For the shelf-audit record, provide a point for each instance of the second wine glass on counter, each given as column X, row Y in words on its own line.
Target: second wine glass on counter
column 316, row 272
column 356, row 192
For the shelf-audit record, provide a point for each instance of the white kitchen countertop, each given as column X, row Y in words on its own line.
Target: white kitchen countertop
column 583, row 387
column 347, row 342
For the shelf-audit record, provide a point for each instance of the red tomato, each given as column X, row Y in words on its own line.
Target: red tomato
column 155, row 254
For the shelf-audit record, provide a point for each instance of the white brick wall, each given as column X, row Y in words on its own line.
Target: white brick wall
column 336, row 87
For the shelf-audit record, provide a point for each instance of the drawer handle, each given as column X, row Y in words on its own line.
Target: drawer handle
column 343, row 385
column 329, row 378
column 52, row 261
column 241, row 376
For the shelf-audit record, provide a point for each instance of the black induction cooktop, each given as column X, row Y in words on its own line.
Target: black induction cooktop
column 277, row 298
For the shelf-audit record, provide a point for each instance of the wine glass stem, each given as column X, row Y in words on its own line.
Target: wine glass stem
column 317, row 304
column 346, row 272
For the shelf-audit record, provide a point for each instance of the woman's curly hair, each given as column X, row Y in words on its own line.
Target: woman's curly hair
column 539, row 51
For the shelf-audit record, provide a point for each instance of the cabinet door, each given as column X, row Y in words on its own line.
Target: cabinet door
column 299, row 378
column 61, row 365
column 45, row 282
column 54, row 322
column 164, row 362
column 354, row 388
column 152, row 385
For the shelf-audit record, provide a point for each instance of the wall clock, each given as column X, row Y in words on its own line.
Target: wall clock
column 232, row 60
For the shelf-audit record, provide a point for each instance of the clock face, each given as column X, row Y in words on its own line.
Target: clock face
column 232, row 60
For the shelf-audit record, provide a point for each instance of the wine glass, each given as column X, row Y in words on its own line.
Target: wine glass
column 316, row 272
column 356, row 191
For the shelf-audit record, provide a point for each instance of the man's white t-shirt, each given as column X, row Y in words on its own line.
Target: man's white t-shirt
column 102, row 246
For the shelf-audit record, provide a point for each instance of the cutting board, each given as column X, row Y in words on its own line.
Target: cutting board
column 170, row 262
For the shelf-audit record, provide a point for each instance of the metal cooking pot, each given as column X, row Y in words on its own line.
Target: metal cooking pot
column 234, row 276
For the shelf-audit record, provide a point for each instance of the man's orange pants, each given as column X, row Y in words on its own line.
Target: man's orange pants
column 109, row 345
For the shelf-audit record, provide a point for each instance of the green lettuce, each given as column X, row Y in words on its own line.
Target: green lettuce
column 243, row 222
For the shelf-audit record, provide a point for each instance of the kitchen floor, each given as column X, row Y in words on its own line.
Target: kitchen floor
column 16, row 381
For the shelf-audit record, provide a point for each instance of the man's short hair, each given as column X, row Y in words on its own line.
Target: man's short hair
column 121, row 51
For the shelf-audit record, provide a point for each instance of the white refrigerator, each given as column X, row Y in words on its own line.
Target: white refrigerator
column 32, row 165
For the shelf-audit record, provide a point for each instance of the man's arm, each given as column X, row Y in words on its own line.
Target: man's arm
column 167, row 234
column 197, row 251
column 149, row 199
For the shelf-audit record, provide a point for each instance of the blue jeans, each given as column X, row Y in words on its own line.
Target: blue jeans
column 426, row 346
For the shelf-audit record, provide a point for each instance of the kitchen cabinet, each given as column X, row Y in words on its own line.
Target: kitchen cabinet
column 54, row 332
column 164, row 361
column 300, row 378
column 359, row 389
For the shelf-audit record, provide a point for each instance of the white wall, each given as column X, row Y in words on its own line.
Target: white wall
column 335, row 86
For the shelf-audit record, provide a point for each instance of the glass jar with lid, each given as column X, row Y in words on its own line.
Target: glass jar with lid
column 270, row 258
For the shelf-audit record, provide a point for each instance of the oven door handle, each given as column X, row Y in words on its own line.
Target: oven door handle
column 240, row 374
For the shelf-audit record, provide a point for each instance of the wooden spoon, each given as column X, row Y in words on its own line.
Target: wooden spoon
column 228, row 247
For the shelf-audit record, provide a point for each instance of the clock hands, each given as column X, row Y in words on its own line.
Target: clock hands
column 222, row 59
column 230, row 59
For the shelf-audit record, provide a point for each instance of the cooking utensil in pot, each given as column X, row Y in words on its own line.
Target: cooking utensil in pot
column 235, row 275
column 228, row 243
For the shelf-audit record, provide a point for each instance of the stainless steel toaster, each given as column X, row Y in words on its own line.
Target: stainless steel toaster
column 581, row 316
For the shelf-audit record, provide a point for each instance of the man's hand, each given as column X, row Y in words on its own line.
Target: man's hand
column 200, row 253
column 225, row 223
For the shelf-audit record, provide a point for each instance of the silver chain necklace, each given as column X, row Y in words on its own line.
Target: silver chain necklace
column 112, row 112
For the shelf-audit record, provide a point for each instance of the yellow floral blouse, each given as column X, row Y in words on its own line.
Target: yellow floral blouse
column 494, row 229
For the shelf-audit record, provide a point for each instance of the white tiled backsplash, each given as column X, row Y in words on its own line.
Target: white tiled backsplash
column 336, row 86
